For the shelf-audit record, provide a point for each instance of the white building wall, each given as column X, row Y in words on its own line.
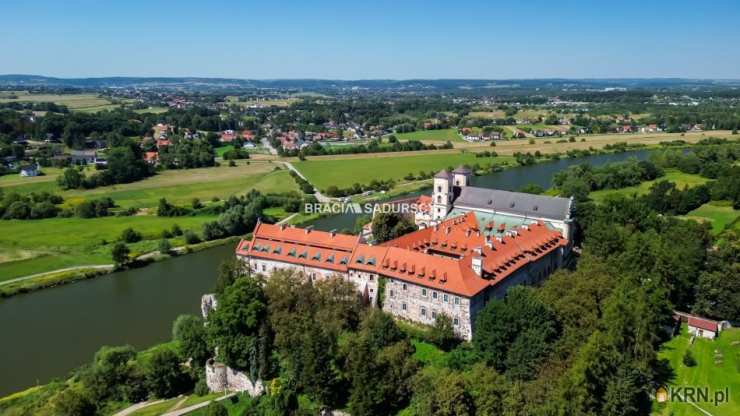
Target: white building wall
column 704, row 333
column 360, row 279
column 421, row 304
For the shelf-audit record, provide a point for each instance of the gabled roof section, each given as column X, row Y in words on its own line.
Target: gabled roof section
column 518, row 203
column 306, row 236
column 432, row 271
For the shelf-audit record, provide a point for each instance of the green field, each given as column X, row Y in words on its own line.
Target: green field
column 718, row 366
column 718, row 213
column 152, row 110
column 77, row 102
column 36, row 246
column 345, row 172
column 440, row 135
column 178, row 186
column 671, row 175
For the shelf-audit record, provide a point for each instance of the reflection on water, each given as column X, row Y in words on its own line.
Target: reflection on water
column 50, row 332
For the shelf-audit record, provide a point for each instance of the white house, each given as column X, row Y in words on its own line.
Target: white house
column 701, row 327
column 30, row 170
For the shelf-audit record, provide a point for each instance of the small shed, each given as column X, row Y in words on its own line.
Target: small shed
column 702, row 327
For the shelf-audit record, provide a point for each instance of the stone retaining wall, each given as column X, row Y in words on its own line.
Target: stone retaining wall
column 221, row 378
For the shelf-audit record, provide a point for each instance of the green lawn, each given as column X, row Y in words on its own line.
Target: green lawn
column 718, row 366
column 36, row 246
column 429, row 354
column 78, row 102
column 178, row 186
column 223, row 149
column 718, row 213
column 671, row 175
column 152, row 110
column 345, row 172
column 440, row 135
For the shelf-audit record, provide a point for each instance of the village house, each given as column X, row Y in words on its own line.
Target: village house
column 452, row 267
column 227, row 136
column 519, row 134
column 30, row 170
column 699, row 326
column 151, row 158
column 80, row 157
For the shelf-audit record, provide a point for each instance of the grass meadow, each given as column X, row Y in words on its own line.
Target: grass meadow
column 36, row 246
column 344, row 172
column 178, row 186
column 671, row 175
column 76, row 102
column 718, row 366
column 717, row 213
column 439, row 135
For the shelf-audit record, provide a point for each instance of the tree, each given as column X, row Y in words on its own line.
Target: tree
column 443, row 333
column 120, row 253
column 112, row 369
column 164, row 246
column 190, row 333
column 164, row 374
column 515, row 333
column 532, row 188
column 216, row 409
column 74, row 401
column 238, row 328
column 129, row 235
column 387, row 226
column 688, row 359
column 379, row 364
column 228, row 271
column 70, row 179
column 441, row 393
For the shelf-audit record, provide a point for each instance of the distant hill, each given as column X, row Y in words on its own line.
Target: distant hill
column 421, row 85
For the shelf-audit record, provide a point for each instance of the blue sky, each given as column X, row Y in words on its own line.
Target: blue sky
column 371, row 39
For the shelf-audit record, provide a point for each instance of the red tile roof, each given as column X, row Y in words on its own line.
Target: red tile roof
column 706, row 324
column 409, row 257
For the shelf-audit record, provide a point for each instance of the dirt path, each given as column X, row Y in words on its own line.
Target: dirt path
column 137, row 406
column 31, row 276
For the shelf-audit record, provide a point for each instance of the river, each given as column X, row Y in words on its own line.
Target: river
column 52, row 331
column 49, row 332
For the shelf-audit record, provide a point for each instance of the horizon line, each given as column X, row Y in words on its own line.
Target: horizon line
column 381, row 79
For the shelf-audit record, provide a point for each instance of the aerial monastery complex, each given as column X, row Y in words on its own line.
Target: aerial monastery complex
column 472, row 245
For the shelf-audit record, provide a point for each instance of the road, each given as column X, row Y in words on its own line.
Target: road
column 319, row 196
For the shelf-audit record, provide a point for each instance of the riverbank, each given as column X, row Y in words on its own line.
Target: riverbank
column 74, row 274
